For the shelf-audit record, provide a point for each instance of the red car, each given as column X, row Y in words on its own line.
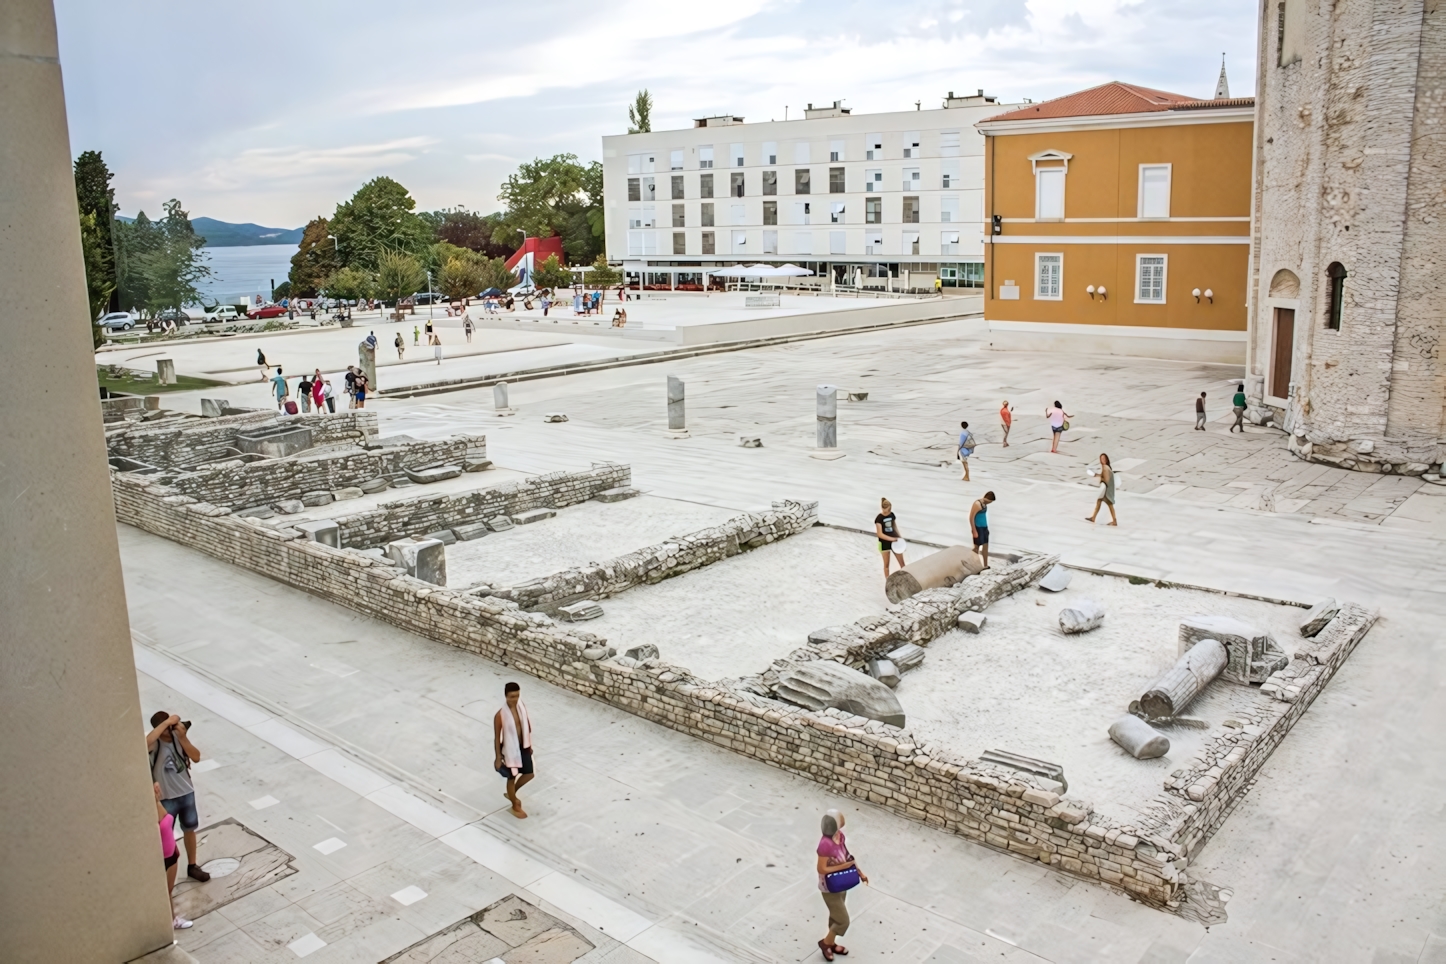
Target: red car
column 266, row 311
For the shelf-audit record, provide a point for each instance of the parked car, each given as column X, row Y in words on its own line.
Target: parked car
column 222, row 313
column 266, row 311
column 118, row 321
column 428, row 298
column 174, row 315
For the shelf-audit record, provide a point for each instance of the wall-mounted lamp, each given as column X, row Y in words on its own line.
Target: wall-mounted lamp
column 1101, row 292
column 1090, row 290
column 1196, row 293
column 1210, row 296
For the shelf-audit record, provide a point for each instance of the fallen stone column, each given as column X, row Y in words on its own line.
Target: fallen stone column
column 942, row 569
column 1081, row 616
column 1170, row 694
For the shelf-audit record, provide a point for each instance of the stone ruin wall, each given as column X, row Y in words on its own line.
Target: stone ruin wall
column 1338, row 180
column 241, row 486
column 653, row 564
column 864, row 759
column 177, row 446
column 424, row 513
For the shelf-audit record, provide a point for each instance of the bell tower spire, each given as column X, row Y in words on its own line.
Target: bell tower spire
column 1222, row 86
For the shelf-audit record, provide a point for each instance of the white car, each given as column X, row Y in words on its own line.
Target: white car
column 117, row 321
column 222, row 313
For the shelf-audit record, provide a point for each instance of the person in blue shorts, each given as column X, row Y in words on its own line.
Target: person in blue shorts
column 979, row 526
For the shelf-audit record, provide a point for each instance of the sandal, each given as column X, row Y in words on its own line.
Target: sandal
column 841, row 950
column 827, row 950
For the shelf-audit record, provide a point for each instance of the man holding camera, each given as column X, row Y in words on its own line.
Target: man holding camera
column 171, row 757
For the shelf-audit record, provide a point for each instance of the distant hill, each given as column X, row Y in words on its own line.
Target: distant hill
column 223, row 234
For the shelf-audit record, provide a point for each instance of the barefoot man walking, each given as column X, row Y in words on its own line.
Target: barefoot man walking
column 512, row 746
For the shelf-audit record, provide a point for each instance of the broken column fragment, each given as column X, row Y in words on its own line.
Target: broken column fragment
column 1138, row 738
column 1081, row 616
column 823, row 683
column 1171, row 693
column 1253, row 653
column 947, row 567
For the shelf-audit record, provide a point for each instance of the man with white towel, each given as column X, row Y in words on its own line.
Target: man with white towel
column 512, row 746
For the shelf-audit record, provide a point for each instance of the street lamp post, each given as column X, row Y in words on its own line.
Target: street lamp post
column 429, row 295
column 528, row 279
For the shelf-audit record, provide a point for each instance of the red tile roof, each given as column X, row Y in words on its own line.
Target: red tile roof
column 1115, row 98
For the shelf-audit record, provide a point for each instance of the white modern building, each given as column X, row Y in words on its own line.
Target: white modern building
column 839, row 193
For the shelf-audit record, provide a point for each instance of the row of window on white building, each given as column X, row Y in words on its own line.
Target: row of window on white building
column 746, row 243
column 873, row 150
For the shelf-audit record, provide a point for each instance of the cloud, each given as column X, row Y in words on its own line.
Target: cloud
column 274, row 111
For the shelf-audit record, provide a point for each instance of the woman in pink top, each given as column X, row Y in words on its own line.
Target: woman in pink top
column 316, row 390
column 171, row 854
column 833, row 854
column 1056, row 415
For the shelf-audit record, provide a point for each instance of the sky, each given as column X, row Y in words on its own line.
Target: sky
column 273, row 112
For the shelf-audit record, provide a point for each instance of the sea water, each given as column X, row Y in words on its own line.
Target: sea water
column 245, row 271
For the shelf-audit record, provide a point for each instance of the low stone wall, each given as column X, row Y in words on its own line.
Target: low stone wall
column 176, row 446
column 922, row 617
column 1209, row 786
column 662, row 561
column 850, row 755
column 428, row 513
column 262, row 483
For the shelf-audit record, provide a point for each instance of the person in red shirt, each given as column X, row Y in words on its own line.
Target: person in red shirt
column 1006, row 418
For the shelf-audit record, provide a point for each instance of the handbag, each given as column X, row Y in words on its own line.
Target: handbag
column 839, row 881
column 1066, row 425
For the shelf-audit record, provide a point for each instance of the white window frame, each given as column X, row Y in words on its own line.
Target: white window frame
column 949, row 209
column 836, row 152
column 949, row 177
column 1164, row 277
column 874, row 241
column 949, row 143
column 838, row 242
column 874, row 147
column 635, row 163
column 769, row 155
column 739, row 213
column 705, row 157
column 836, row 211
column 675, row 159
column 1063, row 174
column 1059, row 280
column 770, row 242
column 909, row 243
column 913, row 179
column 735, row 155
column 801, row 152
column 874, row 180
column 1140, row 191
column 803, row 242
column 911, row 145
column 740, row 247
column 948, row 242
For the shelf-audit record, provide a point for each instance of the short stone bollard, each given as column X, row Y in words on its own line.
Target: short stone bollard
column 367, row 362
column 324, row 531
column 677, row 416
column 424, row 559
column 499, row 400
column 165, row 371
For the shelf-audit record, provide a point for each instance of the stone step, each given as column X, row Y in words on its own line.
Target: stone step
column 616, row 495
column 579, row 611
column 532, row 515
column 470, row 530
column 436, row 473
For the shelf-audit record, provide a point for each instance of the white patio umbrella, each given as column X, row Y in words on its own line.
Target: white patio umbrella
column 791, row 270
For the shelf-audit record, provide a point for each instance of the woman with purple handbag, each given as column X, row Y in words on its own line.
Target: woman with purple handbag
column 837, row 874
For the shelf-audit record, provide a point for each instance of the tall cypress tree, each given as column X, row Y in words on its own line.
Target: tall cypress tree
column 95, row 197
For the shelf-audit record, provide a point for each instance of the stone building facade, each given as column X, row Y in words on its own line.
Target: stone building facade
column 1349, row 231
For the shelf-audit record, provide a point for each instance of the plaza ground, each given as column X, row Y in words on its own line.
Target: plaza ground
column 1334, row 855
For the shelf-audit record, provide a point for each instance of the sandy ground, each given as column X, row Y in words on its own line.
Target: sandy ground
column 1022, row 685
column 577, row 535
column 735, row 617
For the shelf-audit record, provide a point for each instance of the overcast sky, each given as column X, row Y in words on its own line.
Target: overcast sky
column 273, row 111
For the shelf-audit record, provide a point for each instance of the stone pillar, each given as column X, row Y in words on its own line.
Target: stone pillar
column 826, row 433
column 826, row 403
column 92, row 888
column 677, row 417
column 366, row 357
column 499, row 397
column 165, row 371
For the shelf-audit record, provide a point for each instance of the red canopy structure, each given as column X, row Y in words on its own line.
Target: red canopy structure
column 533, row 252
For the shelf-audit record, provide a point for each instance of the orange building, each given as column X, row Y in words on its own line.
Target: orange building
column 1117, row 220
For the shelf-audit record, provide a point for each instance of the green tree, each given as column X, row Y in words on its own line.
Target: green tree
column 494, row 274
column 379, row 218
column 398, row 275
column 602, row 274
column 282, row 290
column 558, row 196
column 99, row 272
column 96, row 200
column 349, row 283
column 551, row 274
column 460, row 278
column 485, row 234
column 640, row 113
column 315, row 259
column 161, row 262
